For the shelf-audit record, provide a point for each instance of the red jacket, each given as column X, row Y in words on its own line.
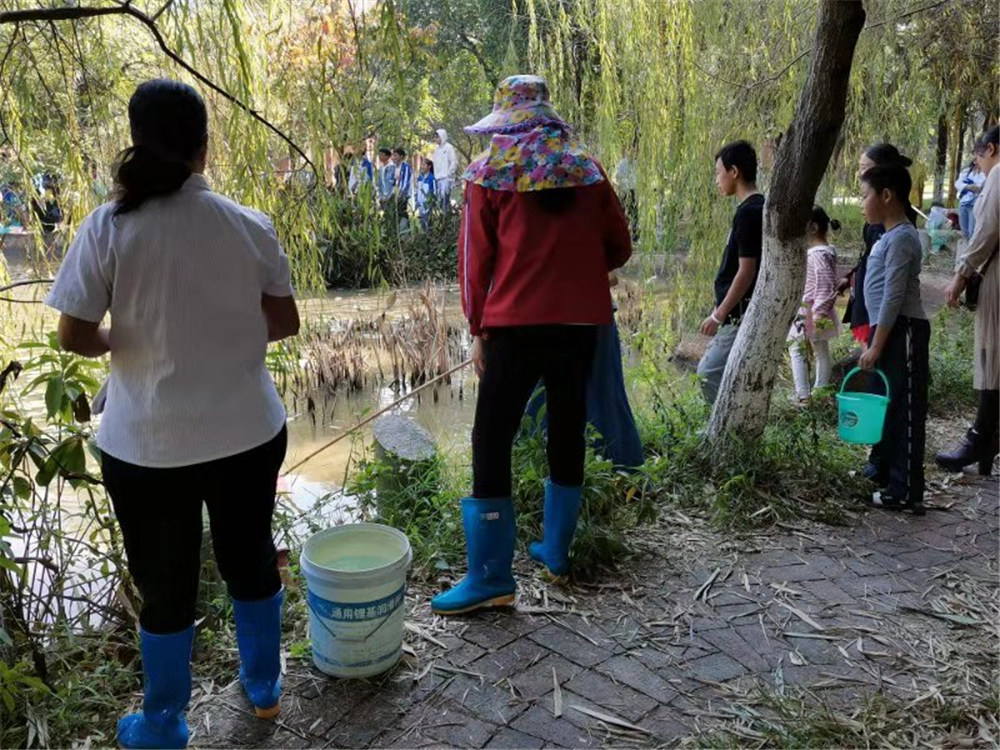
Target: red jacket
column 519, row 264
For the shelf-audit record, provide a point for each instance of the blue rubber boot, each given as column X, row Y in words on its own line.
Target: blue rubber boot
column 490, row 531
column 258, row 635
column 562, row 509
column 166, row 667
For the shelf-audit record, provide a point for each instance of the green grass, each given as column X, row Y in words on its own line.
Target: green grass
column 423, row 501
column 951, row 363
column 798, row 468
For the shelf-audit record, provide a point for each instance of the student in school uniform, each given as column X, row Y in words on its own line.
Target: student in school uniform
column 426, row 192
column 403, row 187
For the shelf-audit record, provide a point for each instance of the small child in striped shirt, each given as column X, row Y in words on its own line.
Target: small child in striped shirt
column 816, row 321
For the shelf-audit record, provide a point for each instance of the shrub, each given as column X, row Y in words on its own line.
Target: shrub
column 951, row 363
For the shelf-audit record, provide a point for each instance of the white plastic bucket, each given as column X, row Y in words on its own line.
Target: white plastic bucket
column 356, row 581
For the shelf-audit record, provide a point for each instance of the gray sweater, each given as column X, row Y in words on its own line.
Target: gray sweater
column 892, row 280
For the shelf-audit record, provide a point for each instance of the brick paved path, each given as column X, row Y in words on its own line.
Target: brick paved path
column 894, row 602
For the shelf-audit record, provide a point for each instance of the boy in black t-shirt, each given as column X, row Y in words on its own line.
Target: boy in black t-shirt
column 735, row 174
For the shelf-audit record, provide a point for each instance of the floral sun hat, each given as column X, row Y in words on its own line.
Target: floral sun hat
column 546, row 157
column 532, row 147
column 521, row 102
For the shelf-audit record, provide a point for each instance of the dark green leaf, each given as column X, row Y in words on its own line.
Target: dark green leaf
column 54, row 392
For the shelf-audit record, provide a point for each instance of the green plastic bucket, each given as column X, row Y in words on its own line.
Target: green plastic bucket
column 862, row 415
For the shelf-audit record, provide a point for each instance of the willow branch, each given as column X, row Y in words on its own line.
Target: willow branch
column 76, row 13
column 16, row 284
column 805, row 53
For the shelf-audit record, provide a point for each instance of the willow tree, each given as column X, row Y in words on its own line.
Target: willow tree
column 745, row 394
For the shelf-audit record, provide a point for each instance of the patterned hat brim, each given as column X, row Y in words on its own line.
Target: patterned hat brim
column 504, row 123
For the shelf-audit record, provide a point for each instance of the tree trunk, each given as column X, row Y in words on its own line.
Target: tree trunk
column 958, row 146
column 941, row 162
column 740, row 411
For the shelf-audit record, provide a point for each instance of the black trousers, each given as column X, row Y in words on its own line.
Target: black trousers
column 899, row 457
column 160, row 514
column 516, row 358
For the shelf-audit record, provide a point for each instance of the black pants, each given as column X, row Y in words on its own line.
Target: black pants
column 516, row 358
column 159, row 511
column 899, row 457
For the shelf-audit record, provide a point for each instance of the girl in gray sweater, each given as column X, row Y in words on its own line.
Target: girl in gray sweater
column 899, row 339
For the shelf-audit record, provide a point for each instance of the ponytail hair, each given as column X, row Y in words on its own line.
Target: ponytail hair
column 823, row 222
column 169, row 124
column 885, row 154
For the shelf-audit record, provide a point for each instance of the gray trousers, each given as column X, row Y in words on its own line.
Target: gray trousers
column 713, row 362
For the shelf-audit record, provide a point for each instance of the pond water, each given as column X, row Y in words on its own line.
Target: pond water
column 446, row 411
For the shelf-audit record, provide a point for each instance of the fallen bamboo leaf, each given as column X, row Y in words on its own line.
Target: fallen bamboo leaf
column 948, row 617
column 701, row 592
column 419, row 631
column 608, row 718
column 456, row 670
column 574, row 630
column 557, row 706
column 802, row 616
column 816, row 636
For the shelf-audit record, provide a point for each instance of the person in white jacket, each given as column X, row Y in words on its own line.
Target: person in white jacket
column 445, row 166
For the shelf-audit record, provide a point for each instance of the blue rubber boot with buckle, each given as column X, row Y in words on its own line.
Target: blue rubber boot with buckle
column 166, row 668
column 258, row 635
column 562, row 510
column 490, row 531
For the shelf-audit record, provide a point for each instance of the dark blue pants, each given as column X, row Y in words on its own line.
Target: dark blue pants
column 608, row 409
column 899, row 457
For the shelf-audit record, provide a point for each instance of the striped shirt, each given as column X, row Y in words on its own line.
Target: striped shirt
column 182, row 277
column 821, row 281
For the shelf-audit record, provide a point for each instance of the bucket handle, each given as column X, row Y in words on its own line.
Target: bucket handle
column 343, row 638
column 857, row 370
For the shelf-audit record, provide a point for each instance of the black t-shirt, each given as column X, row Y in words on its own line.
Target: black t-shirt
column 746, row 240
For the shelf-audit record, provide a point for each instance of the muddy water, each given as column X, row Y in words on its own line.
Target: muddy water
column 445, row 411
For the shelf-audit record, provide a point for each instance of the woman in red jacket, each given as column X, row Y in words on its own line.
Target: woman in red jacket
column 541, row 228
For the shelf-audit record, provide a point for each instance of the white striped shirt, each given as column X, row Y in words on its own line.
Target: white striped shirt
column 182, row 277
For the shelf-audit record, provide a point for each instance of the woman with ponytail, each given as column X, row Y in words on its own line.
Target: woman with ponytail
column 196, row 286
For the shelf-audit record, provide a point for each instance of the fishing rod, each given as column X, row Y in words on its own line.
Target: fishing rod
column 377, row 414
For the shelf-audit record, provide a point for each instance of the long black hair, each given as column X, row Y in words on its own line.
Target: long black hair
column 169, row 125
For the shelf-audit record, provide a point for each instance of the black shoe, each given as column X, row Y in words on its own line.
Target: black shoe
column 974, row 449
column 886, row 501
